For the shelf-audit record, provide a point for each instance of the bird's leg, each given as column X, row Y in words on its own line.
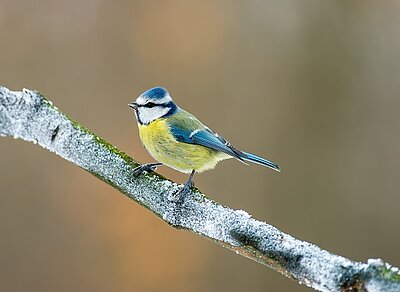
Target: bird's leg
column 188, row 184
column 146, row 167
column 186, row 188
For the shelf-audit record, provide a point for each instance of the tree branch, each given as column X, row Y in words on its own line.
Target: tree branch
column 29, row 116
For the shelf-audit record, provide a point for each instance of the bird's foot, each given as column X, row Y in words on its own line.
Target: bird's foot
column 181, row 194
column 149, row 167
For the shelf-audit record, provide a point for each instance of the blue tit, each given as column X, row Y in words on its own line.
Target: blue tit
column 176, row 138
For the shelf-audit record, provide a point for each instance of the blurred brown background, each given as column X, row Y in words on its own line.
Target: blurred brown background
column 312, row 85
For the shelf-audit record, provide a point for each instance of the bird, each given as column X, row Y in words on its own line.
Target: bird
column 177, row 139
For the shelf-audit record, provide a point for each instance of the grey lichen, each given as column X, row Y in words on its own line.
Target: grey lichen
column 29, row 116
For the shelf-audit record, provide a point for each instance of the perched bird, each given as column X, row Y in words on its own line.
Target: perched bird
column 179, row 140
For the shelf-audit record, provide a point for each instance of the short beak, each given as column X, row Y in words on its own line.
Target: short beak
column 133, row 105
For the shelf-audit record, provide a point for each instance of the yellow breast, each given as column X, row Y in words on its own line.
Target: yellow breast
column 163, row 147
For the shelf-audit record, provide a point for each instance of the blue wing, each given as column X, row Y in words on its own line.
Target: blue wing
column 194, row 132
column 207, row 138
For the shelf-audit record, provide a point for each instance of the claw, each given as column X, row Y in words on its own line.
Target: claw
column 179, row 195
column 145, row 167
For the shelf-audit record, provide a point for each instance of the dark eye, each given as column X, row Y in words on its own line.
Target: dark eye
column 150, row 104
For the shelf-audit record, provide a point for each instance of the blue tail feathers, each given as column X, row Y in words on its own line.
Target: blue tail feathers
column 259, row 160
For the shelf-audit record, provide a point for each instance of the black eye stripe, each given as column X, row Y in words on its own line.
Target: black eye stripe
column 150, row 105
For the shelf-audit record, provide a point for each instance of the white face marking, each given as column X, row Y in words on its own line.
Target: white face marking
column 147, row 115
column 167, row 98
column 142, row 100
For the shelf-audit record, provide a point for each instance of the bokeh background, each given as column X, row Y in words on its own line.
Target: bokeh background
column 312, row 85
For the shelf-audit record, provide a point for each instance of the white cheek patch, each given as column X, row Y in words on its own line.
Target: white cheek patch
column 147, row 115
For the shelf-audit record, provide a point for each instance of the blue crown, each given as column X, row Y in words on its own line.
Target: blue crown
column 155, row 93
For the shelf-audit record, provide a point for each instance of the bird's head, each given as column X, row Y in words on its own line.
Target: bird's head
column 153, row 104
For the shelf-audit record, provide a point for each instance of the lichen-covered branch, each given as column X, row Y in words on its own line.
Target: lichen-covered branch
column 29, row 116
